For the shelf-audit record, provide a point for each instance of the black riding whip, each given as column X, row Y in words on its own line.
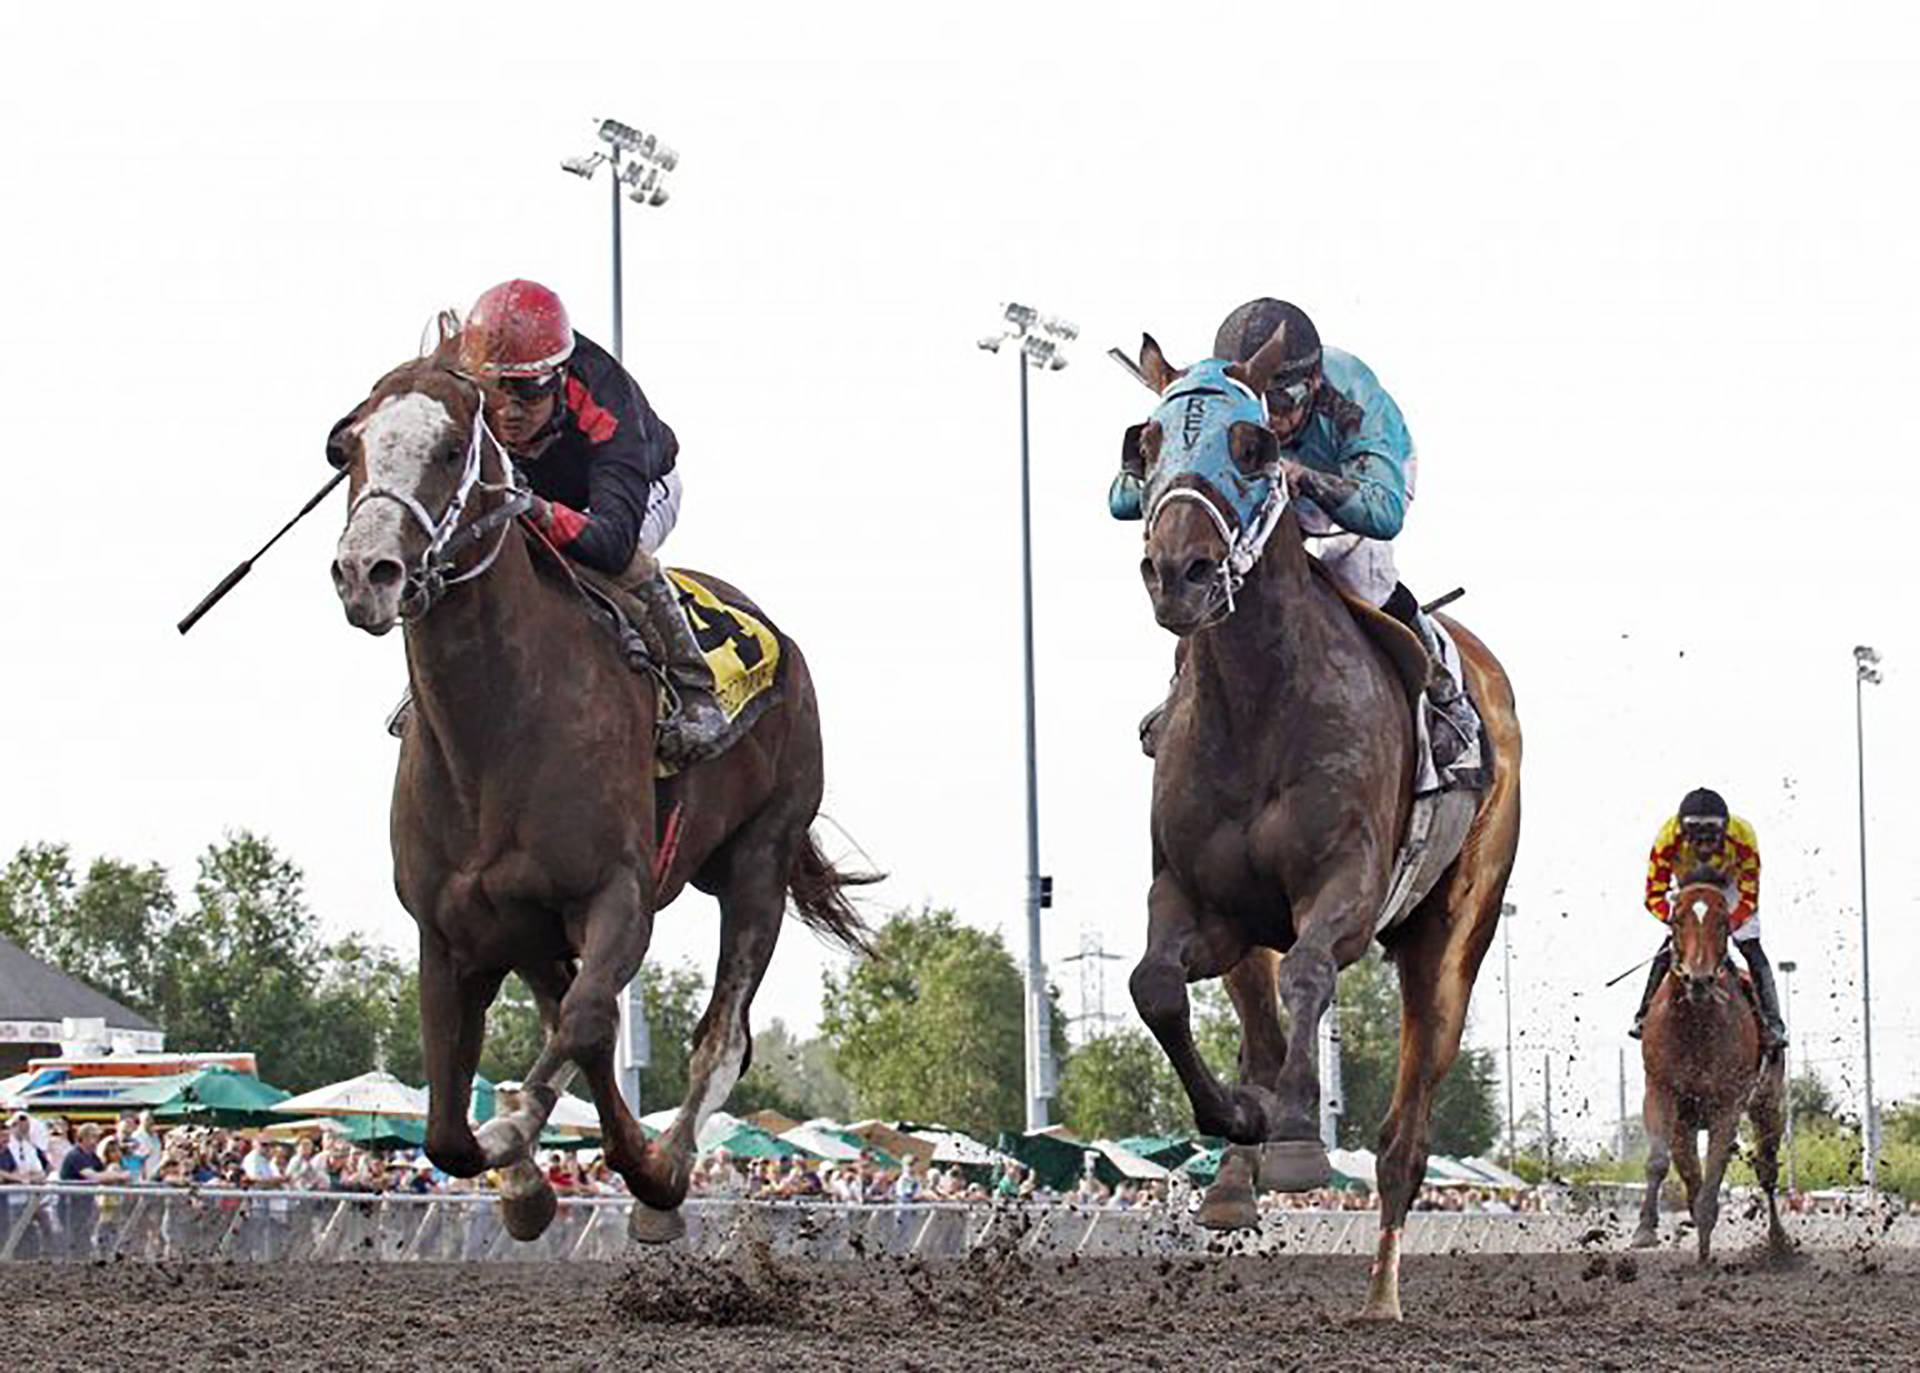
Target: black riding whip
column 1634, row 969
column 232, row 579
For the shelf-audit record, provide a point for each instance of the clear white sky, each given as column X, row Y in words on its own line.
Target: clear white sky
column 1643, row 282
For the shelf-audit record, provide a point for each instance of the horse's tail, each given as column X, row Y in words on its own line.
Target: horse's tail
column 819, row 896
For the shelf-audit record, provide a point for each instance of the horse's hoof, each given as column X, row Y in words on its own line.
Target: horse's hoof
column 527, row 1214
column 1645, row 1239
column 1294, row 1165
column 648, row 1225
column 1384, row 1310
column 1232, row 1211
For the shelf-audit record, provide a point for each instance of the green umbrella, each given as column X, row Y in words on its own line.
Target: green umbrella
column 750, row 1141
column 219, row 1096
column 384, row 1132
column 1169, row 1151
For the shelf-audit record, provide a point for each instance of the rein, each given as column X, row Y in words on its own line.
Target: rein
column 430, row 578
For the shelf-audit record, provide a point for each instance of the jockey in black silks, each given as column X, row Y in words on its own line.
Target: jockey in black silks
column 601, row 466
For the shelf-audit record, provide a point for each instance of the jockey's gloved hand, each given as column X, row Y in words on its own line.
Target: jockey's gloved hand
column 541, row 513
column 1123, row 497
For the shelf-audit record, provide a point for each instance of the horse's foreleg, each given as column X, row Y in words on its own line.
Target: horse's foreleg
column 1660, row 1123
column 1333, row 932
column 1176, row 955
column 616, row 931
column 1253, row 985
column 1706, row 1202
column 510, row 1139
column 453, row 1018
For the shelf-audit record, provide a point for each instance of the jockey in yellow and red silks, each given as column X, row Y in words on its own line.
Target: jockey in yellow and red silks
column 1705, row 834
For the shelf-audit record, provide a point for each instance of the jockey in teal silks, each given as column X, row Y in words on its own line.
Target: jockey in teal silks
column 1350, row 465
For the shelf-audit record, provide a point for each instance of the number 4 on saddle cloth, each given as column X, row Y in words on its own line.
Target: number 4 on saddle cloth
column 741, row 649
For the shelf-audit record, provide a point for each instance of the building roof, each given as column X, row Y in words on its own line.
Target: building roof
column 33, row 990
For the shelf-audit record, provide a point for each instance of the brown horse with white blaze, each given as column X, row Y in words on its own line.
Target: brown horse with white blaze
column 1283, row 784
column 525, row 824
column 1705, row 1069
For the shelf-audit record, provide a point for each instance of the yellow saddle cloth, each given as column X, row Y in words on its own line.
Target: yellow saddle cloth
column 741, row 649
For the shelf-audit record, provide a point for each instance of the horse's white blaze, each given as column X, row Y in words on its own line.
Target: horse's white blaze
column 1700, row 911
column 399, row 438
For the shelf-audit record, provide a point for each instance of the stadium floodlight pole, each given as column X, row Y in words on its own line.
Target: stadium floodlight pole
column 1507, row 911
column 643, row 173
column 1866, row 669
column 1787, row 969
column 1041, row 339
column 648, row 160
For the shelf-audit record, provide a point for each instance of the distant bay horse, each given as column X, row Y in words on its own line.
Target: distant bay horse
column 1282, row 788
column 1705, row 1069
column 526, row 834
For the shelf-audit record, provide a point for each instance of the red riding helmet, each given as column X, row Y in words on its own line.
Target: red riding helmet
column 516, row 329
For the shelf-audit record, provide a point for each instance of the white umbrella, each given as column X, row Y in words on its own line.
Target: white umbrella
column 371, row 1094
column 1129, row 1163
column 821, row 1138
column 572, row 1114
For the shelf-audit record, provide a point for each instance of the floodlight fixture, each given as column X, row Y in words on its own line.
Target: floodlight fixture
column 1064, row 330
column 642, row 145
column 1021, row 317
column 583, row 166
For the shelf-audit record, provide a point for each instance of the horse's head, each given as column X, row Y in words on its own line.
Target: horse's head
column 1700, row 929
column 416, row 449
column 1213, row 486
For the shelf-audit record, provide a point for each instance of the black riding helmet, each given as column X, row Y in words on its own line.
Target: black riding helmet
column 1243, row 332
column 1702, row 803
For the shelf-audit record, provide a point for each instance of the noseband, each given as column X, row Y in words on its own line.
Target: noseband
column 429, row 577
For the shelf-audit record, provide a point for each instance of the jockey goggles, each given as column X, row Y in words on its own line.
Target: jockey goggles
column 531, row 390
column 1703, row 831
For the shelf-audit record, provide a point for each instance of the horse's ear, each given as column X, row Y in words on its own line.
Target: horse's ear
column 1154, row 367
column 1259, row 369
column 1253, row 447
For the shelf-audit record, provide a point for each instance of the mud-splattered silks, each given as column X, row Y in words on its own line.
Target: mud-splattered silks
column 1196, row 416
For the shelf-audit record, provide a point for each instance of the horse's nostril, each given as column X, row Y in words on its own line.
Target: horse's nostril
column 385, row 572
column 339, row 576
column 1201, row 570
column 1149, row 574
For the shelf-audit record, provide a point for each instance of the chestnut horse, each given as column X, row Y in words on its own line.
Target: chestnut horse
column 525, row 822
column 1282, row 788
column 1705, row 1069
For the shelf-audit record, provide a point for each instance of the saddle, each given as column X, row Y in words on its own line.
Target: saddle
column 744, row 652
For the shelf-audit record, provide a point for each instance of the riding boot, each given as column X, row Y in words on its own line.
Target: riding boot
column 402, row 714
column 694, row 731
column 1456, row 744
column 1774, row 1034
column 1662, row 961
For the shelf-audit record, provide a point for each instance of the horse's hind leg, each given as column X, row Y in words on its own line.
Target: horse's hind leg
column 1685, row 1144
column 1438, row 953
column 1765, row 1112
column 453, row 1018
column 1660, row 1126
column 753, row 898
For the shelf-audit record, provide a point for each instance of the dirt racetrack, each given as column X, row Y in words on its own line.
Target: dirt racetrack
column 1830, row 1309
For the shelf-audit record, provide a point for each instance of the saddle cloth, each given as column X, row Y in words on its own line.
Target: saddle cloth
column 742, row 650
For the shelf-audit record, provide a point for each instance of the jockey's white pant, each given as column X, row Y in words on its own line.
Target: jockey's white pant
column 1361, row 567
column 663, row 512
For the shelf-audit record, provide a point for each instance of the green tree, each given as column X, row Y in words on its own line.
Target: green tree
column 104, row 931
column 931, row 1028
column 1121, row 1084
column 796, row 1077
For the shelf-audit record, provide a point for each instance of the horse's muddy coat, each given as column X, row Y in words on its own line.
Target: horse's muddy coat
column 1833, row 1309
